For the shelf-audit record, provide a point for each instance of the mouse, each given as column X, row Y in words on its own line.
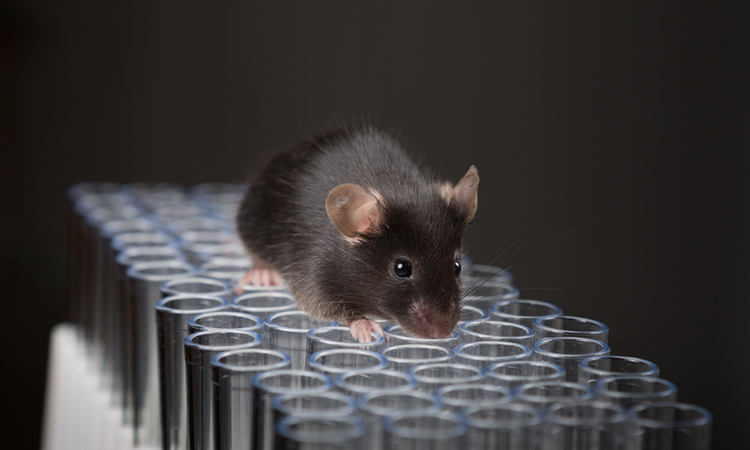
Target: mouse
column 358, row 231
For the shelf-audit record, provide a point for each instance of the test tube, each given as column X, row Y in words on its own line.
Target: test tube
column 319, row 433
column 568, row 352
column 227, row 319
column 459, row 396
column 629, row 391
column 267, row 385
column 494, row 330
column 176, row 209
column 263, row 304
column 232, row 250
column 172, row 314
column 515, row 373
column 486, row 353
column 584, row 426
column 395, row 335
column 669, row 426
column 194, row 242
column 472, row 313
column 337, row 361
column 435, row 430
column 356, row 383
column 570, row 326
column 523, row 312
column 430, row 377
column 376, row 405
column 593, row 369
column 287, row 331
column 503, row 426
column 477, row 273
column 488, row 293
column 229, row 270
column 196, row 223
column 313, row 404
column 544, row 394
column 144, row 280
column 196, row 285
column 200, row 347
column 329, row 338
column 232, row 374
column 404, row 357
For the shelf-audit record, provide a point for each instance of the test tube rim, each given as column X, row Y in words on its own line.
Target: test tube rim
column 280, row 365
column 705, row 419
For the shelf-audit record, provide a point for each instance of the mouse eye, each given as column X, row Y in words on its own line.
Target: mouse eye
column 458, row 268
column 403, row 268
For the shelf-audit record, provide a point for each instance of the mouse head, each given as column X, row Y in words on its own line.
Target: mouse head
column 409, row 247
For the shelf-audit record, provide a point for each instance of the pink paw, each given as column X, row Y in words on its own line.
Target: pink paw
column 362, row 328
column 260, row 276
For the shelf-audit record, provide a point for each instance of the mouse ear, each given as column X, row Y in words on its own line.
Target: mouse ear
column 353, row 210
column 464, row 194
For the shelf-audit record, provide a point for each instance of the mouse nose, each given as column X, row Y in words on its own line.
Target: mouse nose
column 430, row 324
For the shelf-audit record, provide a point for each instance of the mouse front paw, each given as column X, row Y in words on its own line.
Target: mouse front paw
column 363, row 328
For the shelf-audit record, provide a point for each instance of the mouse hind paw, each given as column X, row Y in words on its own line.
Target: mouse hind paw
column 363, row 328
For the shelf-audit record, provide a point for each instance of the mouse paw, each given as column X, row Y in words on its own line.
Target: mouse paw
column 260, row 276
column 362, row 328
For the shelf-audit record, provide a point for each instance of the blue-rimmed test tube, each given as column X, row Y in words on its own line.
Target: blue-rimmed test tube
column 584, row 425
column 376, row 405
column 668, row 426
column 227, row 319
column 459, row 396
column 404, row 357
column 488, row 293
column 267, row 385
column 319, row 433
column 395, row 335
column 329, row 338
column 232, row 374
column 542, row 395
column 430, row 377
column 313, row 404
column 570, row 326
column 494, row 330
column 172, row 314
column 197, row 285
column 263, row 303
column 287, row 331
column 436, row 430
column 503, row 426
column 340, row 360
column 356, row 383
column 568, row 352
column 522, row 311
column 486, row 353
column 593, row 369
column 515, row 373
column 630, row 391
column 472, row 313
column 200, row 347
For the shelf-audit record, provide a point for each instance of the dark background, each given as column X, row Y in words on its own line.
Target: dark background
column 626, row 123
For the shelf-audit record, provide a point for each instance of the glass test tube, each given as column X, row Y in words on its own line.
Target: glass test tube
column 356, row 383
column 430, row 377
column 473, row 273
column 395, row 335
column 376, row 405
column 404, row 357
column 488, row 293
column 486, row 353
column 515, row 373
column 584, row 426
column 472, row 313
column 200, row 347
column 593, row 369
column 542, row 395
column 459, row 396
column 232, row 374
column 494, row 330
column 312, row 404
column 172, row 314
column 436, row 430
column 287, row 331
column 568, row 352
column 523, row 312
column 263, row 304
column 229, row 270
column 630, row 391
column 197, row 285
column 329, row 338
column 144, row 280
column 570, row 326
column 339, row 360
column 503, row 426
column 669, row 426
column 194, row 242
column 227, row 319
column 267, row 385
column 319, row 433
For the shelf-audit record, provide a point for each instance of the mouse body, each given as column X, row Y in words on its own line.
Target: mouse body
column 358, row 231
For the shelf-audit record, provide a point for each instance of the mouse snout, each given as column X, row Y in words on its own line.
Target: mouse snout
column 430, row 323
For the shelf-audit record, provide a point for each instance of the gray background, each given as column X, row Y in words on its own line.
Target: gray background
column 624, row 123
